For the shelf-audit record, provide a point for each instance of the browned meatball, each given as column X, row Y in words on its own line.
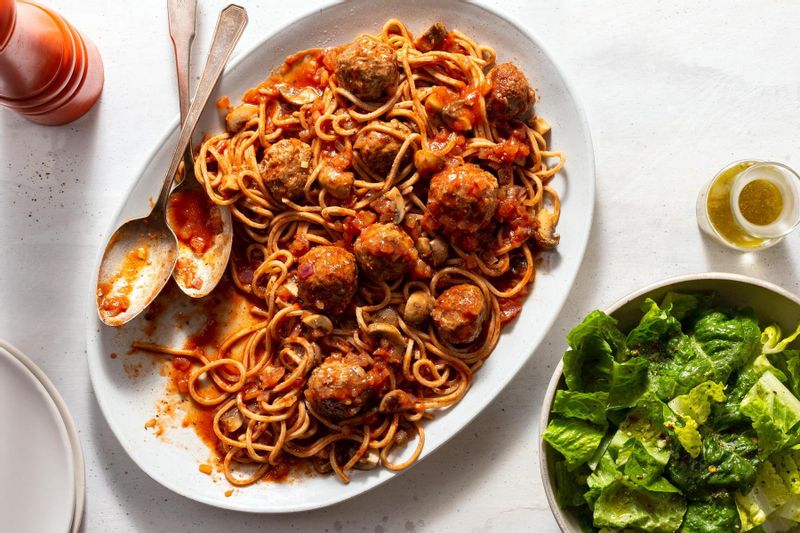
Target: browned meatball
column 462, row 199
column 511, row 95
column 378, row 150
column 459, row 313
column 384, row 252
column 327, row 278
column 367, row 69
column 285, row 168
column 338, row 389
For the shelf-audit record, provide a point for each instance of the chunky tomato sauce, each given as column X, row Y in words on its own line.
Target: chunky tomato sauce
column 193, row 219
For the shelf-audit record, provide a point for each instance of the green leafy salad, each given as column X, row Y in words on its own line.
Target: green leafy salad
column 689, row 423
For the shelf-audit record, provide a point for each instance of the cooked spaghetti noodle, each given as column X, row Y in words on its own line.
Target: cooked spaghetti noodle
column 389, row 199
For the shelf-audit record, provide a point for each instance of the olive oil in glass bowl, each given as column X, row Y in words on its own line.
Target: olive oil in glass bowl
column 750, row 205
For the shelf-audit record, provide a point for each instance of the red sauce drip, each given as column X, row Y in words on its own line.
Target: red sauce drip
column 201, row 419
column 190, row 216
column 206, row 336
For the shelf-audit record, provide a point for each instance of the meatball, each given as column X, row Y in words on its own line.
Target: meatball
column 367, row 69
column 338, row 389
column 511, row 96
column 285, row 168
column 385, row 251
column 459, row 313
column 327, row 279
column 462, row 199
column 378, row 150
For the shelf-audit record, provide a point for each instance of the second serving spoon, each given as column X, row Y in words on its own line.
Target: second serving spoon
column 140, row 256
column 203, row 228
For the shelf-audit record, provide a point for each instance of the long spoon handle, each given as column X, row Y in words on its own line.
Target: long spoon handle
column 230, row 26
column 182, row 24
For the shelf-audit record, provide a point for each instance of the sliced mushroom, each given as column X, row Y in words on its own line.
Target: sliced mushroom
column 396, row 401
column 297, row 96
column 231, row 420
column 423, row 245
column 397, row 206
column 368, row 462
column 428, row 162
column 240, row 115
column 433, row 37
column 457, row 115
column 418, row 307
column 291, row 286
column 545, row 233
column 541, row 126
column 440, row 250
column 381, row 330
column 438, row 98
column 387, row 315
column 319, row 322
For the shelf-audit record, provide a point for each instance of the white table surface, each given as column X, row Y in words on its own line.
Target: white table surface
column 673, row 91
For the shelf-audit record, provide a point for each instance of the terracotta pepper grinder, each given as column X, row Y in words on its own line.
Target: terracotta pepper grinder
column 49, row 72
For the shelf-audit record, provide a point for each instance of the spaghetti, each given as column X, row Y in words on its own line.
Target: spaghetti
column 389, row 197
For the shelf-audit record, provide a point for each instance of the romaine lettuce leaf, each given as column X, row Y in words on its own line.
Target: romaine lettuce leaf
column 686, row 307
column 590, row 406
column 772, row 341
column 753, row 509
column 775, row 414
column 595, row 344
column 628, row 383
column 604, row 475
column 720, row 344
column 787, row 465
column 626, row 505
column 575, row 439
column 569, row 486
column 777, row 524
column 638, row 465
column 790, row 510
column 645, row 423
column 716, row 515
column 788, row 363
column 728, row 414
column 692, row 410
column 655, row 326
column 727, row 461
column 687, row 367
column 697, row 402
column 686, row 431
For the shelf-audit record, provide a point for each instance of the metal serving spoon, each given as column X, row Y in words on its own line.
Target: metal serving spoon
column 196, row 272
column 140, row 256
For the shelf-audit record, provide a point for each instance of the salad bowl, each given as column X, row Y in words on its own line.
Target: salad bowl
column 771, row 305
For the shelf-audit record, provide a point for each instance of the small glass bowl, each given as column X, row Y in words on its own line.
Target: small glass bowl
column 787, row 181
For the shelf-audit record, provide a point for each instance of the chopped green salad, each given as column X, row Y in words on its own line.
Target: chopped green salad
column 689, row 423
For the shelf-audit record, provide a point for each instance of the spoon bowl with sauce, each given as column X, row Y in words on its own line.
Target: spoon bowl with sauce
column 203, row 228
column 139, row 258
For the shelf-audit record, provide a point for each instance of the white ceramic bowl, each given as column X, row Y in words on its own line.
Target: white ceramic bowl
column 771, row 303
column 127, row 404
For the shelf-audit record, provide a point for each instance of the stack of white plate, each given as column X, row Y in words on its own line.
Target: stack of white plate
column 41, row 462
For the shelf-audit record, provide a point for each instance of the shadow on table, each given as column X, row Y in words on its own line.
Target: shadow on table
column 760, row 264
